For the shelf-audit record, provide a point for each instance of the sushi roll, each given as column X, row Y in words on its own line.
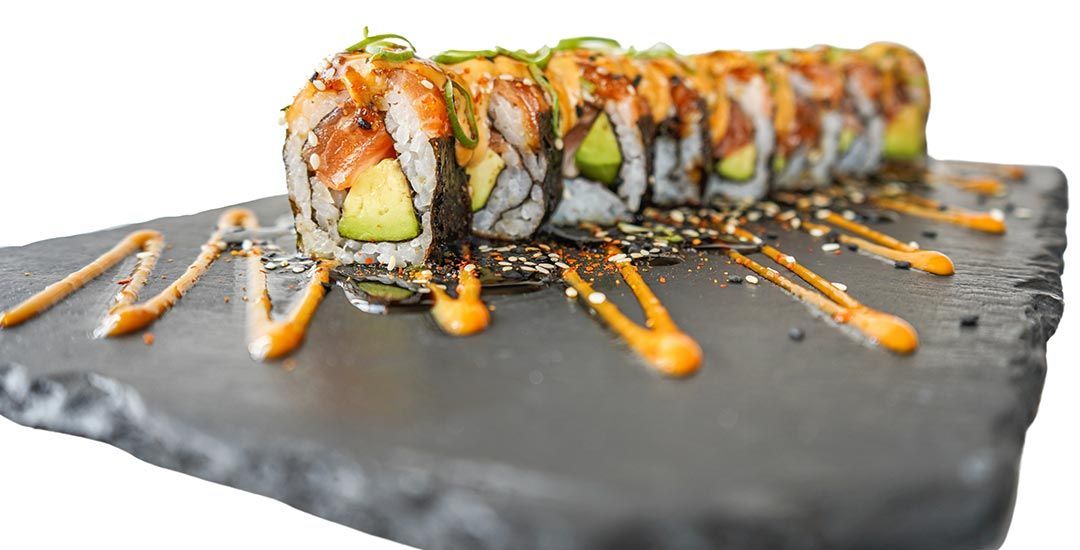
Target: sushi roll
column 680, row 151
column 604, row 129
column 905, row 106
column 370, row 157
column 514, row 169
column 740, row 128
column 806, row 118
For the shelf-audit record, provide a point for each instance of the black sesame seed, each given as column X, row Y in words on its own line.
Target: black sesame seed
column 1009, row 207
column 929, row 234
column 636, row 81
column 734, row 279
column 969, row 320
column 796, row 333
column 363, row 123
column 853, row 247
column 943, row 207
column 772, row 236
column 903, row 264
column 579, row 110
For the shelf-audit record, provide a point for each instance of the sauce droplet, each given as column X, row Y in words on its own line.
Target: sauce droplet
column 465, row 315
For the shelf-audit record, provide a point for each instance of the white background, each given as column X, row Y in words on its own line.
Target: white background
column 124, row 112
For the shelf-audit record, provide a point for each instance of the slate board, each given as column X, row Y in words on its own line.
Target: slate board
column 545, row 432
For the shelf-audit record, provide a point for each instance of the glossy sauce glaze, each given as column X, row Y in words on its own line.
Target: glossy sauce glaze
column 660, row 342
column 883, row 245
column 465, row 315
column 890, row 331
column 914, row 205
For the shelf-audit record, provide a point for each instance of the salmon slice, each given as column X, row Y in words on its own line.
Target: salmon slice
column 427, row 99
column 348, row 141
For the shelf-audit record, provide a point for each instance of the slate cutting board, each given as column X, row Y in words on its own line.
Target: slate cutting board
column 546, row 432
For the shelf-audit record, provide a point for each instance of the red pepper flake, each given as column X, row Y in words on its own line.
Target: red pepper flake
column 148, row 338
column 124, row 281
column 663, row 280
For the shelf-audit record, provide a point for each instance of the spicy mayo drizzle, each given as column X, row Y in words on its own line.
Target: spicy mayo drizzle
column 269, row 339
column 467, row 314
column 887, row 246
column 888, row 330
column 933, row 210
column 660, row 342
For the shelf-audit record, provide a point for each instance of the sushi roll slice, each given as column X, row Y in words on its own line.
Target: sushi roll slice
column 905, row 105
column 514, row 170
column 680, row 150
column 741, row 136
column 604, row 129
column 863, row 125
column 370, row 160
column 806, row 118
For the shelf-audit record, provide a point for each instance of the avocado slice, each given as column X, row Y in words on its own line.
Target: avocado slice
column 384, row 291
column 379, row 206
column 847, row 137
column 905, row 136
column 739, row 164
column 599, row 157
column 482, row 178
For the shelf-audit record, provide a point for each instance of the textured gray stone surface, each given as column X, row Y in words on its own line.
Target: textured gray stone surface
column 544, row 432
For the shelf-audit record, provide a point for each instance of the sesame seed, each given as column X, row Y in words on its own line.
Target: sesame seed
column 562, row 265
column 913, row 244
column 849, row 215
column 997, row 214
column 392, row 263
column 270, row 267
column 571, row 292
column 903, row 264
column 789, row 260
column 507, row 268
column 298, row 269
column 969, row 320
column 839, row 286
column 752, row 279
column 469, row 268
column 929, row 234
column 816, row 232
column 319, row 85
column 542, row 270
column 830, row 247
column 852, row 247
column 313, row 139
column 796, row 334
column 597, row 298
column 822, row 214
column 314, row 161
column 735, row 279
column 505, row 263
column 427, row 84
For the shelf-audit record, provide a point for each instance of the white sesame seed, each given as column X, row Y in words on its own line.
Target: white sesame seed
column 597, row 298
column 617, row 257
column 314, row 161
column 507, row 268
column 559, row 144
column 817, row 232
column 822, row 214
column 542, row 270
column 470, row 267
column 789, row 260
column 313, row 139
column 270, row 267
column 505, row 263
column 849, row 215
column 545, row 266
column 392, row 263
column 528, row 268
column 913, row 244
column 562, row 265
column 298, row 269
column 751, row 279
column 997, row 214
column 796, row 223
column 839, row 286
column 527, row 81
column 571, row 292
column 427, row 84
column 319, row 85
column 830, row 247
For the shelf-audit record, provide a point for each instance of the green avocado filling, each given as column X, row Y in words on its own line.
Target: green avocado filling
column 739, row 164
column 905, row 136
column 599, row 157
column 847, row 137
column 482, row 178
column 379, row 206
column 384, row 291
column 779, row 162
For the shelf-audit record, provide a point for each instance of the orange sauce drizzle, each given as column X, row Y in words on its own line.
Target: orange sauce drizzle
column 929, row 209
column 888, row 330
column 125, row 316
column 465, row 315
column 930, row 261
column 149, row 241
column 270, row 339
column 267, row 339
column 979, row 185
column 659, row 342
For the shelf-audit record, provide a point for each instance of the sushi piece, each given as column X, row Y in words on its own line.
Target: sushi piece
column 741, row 136
column 370, row 158
column 806, row 118
column 514, row 170
column 680, row 150
column 604, row 129
column 863, row 126
column 905, row 105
